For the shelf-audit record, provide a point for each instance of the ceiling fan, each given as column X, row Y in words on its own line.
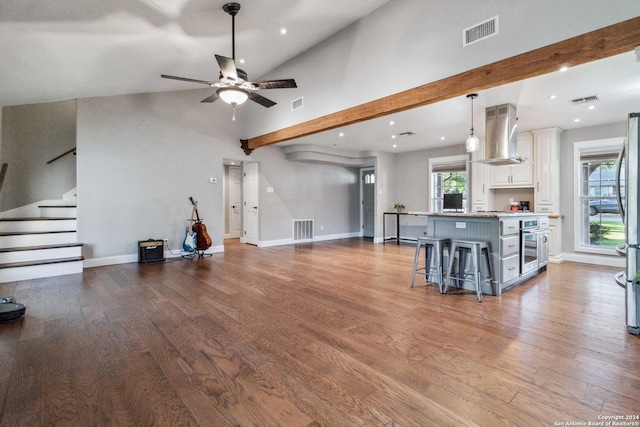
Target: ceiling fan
column 233, row 85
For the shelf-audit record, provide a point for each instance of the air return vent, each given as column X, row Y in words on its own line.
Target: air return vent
column 296, row 104
column 480, row 31
column 585, row 100
column 302, row 229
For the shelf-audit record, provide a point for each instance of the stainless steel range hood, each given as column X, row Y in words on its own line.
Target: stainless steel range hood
column 501, row 146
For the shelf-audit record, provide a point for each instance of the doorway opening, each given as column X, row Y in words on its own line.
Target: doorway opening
column 232, row 196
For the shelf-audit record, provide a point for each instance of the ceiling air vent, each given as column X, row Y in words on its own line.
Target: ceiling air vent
column 407, row 133
column 585, row 100
column 480, row 31
column 296, row 104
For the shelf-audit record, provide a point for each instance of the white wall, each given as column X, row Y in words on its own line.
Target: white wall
column 567, row 180
column 412, row 176
column 140, row 157
column 32, row 135
column 325, row 193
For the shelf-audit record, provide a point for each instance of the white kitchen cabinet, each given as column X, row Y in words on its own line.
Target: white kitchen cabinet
column 516, row 176
column 555, row 239
column 547, row 188
column 481, row 196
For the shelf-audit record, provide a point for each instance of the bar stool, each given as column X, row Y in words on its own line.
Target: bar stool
column 479, row 252
column 434, row 262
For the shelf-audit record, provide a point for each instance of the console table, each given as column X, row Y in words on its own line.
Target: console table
column 397, row 238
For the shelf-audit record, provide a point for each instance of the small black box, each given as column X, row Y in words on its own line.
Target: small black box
column 150, row 250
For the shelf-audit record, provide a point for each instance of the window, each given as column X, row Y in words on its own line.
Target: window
column 448, row 175
column 369, row 177
column 599, row 226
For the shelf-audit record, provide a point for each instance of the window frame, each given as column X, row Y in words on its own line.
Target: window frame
column 596, row 146
column 449, row 160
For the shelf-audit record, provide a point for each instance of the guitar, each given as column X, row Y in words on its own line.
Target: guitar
column 203, row 241
column 189, row 244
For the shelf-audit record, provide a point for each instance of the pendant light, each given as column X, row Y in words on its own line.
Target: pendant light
column 473, row 143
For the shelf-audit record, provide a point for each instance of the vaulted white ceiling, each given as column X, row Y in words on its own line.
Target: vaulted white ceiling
column 58, row 50
column 73, row 49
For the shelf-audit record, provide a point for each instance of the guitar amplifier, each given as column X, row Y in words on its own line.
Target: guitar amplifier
column 150, row 250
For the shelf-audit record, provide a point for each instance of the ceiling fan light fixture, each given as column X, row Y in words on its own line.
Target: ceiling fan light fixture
column 473, row 143
column 232, row 95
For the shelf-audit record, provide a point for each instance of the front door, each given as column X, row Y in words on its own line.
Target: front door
column 250, row 205
column 368, row 205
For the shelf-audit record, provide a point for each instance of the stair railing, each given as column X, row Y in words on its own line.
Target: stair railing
column 3, row 172
column 73, row 150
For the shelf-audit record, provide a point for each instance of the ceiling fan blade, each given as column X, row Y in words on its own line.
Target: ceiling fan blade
column 261, row 100
column 227, row 68
column 276, row 84
column 211, row 98
column 185, row 79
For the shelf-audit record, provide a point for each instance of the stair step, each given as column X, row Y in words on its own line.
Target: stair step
column 27, row 233
column 23, row 238
column 36, row 224
column 50, row 210
column 40, row 262
column 40, row 269
column 36, row 218
column 38, row 247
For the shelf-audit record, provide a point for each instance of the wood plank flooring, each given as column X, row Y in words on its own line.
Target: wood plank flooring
column 322, row 334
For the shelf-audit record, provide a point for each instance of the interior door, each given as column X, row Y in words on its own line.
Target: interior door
column 250, row 205
column 234, row 208
column 368, row 205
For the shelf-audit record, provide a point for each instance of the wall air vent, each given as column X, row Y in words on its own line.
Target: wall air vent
column 296, row 104
column 302, row 229
column 480, row 31
column 585, row 100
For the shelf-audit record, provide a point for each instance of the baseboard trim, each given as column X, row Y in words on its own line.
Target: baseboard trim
column 282, row 242
column 125, row 259
column 596, row 259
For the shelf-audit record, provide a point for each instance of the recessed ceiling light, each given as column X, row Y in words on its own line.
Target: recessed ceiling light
column 283, row 31
column 442, row 138
column 552, row 97
column 563, row 69
column 395, row 145
column 591, row 107
column 393, row 137
column 341, row 134
column 576, row 120
column 391, row 123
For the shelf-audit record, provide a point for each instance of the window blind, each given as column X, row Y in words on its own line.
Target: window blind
column 449, row 168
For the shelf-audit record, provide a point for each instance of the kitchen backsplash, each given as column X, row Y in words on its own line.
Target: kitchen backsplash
column 503, row 196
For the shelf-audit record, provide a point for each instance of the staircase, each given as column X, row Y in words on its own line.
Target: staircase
column 39, row 240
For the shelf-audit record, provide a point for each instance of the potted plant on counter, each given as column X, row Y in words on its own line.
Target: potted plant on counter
column 399, row 207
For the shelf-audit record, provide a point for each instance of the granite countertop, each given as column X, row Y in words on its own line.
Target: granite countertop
column 505, row 214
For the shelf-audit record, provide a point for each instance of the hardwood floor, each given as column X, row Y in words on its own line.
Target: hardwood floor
column 323, row 334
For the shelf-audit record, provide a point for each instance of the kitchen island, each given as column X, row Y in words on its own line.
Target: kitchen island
column 517, row 242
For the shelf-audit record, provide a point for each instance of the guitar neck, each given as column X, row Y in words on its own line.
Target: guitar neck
column 195, row 208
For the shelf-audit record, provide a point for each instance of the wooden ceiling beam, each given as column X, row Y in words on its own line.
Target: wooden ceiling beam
column 603, row 43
